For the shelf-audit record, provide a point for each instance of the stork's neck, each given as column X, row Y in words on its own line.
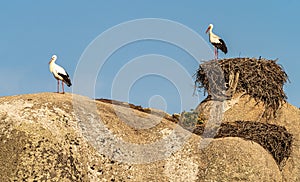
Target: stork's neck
column 52, row 64
column 52, row 61
column 210, row 30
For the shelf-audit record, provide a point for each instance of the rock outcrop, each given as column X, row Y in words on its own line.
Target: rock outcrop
column 65, row 137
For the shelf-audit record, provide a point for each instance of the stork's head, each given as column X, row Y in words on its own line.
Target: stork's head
column 210, row 27
column 53, row 58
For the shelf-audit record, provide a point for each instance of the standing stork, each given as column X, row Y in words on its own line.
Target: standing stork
column 59, row 73
column 216, row 41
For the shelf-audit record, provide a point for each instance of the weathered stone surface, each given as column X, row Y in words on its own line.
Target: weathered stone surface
column 235, row 159
column 53, row 137
column 246, row 109
column 287, row 116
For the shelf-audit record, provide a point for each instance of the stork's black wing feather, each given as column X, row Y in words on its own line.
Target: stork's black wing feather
column 66, row 79
column 223, row 46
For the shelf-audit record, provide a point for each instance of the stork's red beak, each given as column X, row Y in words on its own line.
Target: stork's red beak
column 207, row 29
column 50, row 61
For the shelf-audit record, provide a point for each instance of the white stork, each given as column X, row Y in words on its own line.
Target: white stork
column 59, row 73
column 216, row 41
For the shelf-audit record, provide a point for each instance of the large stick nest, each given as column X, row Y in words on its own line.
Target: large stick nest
column 275, row 139
column 262, row 79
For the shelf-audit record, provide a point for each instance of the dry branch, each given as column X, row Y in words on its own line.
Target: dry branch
column 262, row 79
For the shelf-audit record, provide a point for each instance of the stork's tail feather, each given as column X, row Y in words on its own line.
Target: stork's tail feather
column 68, row 82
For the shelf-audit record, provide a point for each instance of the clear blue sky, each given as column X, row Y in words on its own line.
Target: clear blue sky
column 31, row 31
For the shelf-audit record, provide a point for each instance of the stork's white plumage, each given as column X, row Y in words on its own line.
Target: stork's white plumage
column 59, row 73
column 216, row 41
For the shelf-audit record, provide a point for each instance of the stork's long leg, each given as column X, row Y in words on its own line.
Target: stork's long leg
column 63, row 89
column 217, row 54
column 57, row 86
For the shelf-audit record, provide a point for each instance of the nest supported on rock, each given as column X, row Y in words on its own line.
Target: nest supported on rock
column 262, row 79
column 275, row 139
